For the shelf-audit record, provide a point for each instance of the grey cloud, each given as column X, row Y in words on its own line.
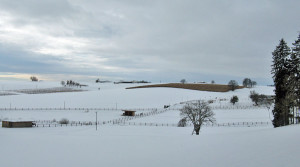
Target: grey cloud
column 35, row 9
column 158, row 38
column 20, row 62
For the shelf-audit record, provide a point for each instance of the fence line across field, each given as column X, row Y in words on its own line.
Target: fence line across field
column 111, row 109
column 74, row 109
column 113, row 121
column 232, row 124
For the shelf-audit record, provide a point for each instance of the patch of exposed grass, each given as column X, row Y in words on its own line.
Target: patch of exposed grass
column 199, row 87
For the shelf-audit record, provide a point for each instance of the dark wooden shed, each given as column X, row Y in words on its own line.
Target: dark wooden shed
column 128, row 113
column 20, row 124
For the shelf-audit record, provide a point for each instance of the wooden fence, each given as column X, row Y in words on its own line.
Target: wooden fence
column 73, row 109
column 229, row 124
column 112, row 109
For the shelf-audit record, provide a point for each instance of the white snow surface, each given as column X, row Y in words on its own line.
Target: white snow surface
column 148, row 146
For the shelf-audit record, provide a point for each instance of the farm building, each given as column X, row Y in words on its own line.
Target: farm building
column 128, row 113
column 11, row 124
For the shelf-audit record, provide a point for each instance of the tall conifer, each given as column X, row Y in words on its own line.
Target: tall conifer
column 280, row 71
column 295, row 71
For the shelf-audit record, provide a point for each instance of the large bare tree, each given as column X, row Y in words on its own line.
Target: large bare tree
column 198, row 113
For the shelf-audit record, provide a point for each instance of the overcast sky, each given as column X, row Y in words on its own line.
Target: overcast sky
column 153, row 40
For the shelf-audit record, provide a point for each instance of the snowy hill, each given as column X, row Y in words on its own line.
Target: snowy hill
column 149, row 140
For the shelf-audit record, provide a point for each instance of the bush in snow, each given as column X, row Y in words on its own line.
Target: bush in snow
column 34, row 78
column 234, row 99
column 182, row 122
column 258, row 99
column 64, row 121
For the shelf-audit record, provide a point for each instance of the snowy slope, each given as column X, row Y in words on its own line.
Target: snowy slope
column 127, row 145
column 149, row 146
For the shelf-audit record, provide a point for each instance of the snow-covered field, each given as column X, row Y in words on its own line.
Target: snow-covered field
column 128, row 145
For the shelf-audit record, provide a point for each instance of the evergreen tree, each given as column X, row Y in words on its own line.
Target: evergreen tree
column 280, row 76
column 234, row 99
column 294, row 67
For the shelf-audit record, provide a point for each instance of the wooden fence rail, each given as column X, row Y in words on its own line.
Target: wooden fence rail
column 112, row 109
column 229, row 124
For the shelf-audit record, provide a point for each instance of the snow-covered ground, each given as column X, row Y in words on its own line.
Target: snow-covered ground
column 149, row 146
column 126, row 145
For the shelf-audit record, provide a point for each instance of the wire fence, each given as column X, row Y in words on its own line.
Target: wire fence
column 225, row 107
column 78, row 123
column 236, row 107
column 72, row 109
column 125, row 120
column 113, row 121
column 229, row 124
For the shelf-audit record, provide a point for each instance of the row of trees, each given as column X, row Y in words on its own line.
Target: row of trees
column 258, row 99
column 70, row 83
column 286, row 76
column 248, row 83
column 233, row 84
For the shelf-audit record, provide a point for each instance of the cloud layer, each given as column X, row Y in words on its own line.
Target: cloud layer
column 152, row 40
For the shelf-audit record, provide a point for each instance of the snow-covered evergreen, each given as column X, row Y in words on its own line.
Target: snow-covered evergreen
column 280, row 76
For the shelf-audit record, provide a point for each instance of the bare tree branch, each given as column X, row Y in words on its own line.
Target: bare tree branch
column 198, row 113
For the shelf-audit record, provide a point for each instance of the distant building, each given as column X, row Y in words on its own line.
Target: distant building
column 128, row 113
column 21, row 124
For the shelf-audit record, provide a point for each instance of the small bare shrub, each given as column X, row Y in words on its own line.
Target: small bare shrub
column 182, row 123
column 64, row 121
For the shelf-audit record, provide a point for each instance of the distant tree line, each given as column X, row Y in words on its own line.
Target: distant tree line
column 247, row 82
column 286, row 77
column 71, row 83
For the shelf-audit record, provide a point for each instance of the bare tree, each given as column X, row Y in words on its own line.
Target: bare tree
column 34, row 78
column 259, row 99
column 247, row 83
column 253, row 83
column 183, row 81
column 63, row 83
column 198, row 113
column 232, row 84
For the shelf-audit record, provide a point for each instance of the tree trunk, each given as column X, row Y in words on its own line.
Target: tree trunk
column 197, row 129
